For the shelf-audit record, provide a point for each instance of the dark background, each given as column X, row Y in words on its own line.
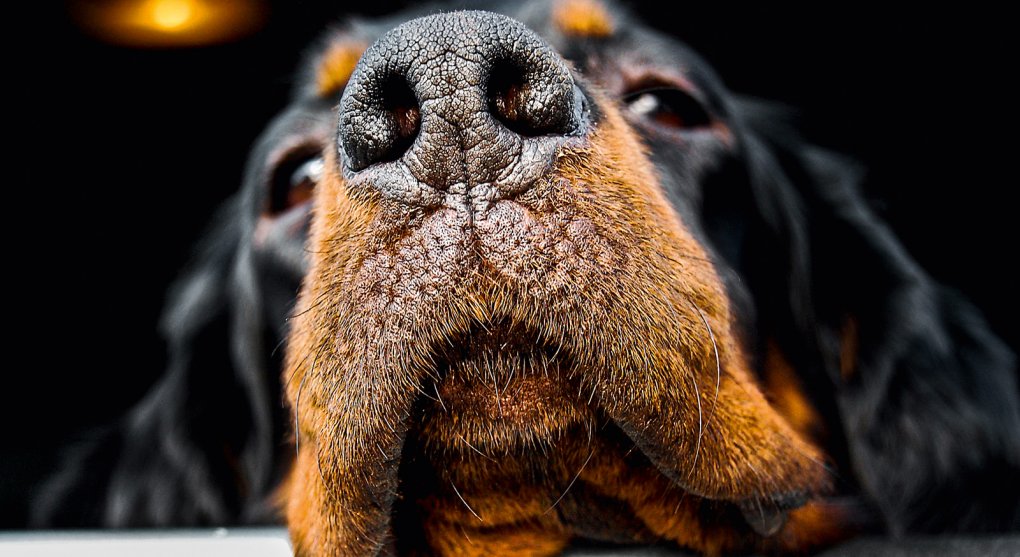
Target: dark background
column 121, row 155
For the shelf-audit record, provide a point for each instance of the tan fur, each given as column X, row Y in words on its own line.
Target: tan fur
column 605, row 273
column 336, row 66
column 784, row 390
column 848, row 348
column 583, row 18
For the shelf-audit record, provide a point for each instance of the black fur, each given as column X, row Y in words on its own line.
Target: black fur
column 926, row 430
column 930, row 417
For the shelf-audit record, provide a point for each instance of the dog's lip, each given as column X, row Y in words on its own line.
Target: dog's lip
column 502, row 387
column 498, row 335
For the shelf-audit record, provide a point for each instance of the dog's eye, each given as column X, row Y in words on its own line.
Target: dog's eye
column 294, row 182
column 668, row 107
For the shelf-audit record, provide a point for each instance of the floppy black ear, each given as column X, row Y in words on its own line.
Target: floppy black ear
column 191, row 451
column 925, row 393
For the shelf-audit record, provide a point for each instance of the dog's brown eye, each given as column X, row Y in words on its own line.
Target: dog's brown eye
column 668, row 107
column 294, row 183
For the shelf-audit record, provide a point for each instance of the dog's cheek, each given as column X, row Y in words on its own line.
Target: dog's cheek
column 325, row 473
column 747, row 450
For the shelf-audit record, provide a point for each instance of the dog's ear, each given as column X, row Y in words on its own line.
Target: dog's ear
column 926, row 394
column 191, row 451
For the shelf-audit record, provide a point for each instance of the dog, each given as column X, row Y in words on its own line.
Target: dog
column 557, row 283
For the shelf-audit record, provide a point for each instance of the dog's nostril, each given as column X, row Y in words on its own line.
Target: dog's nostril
column 387, row 129
column 524, row 107
column 507, row 95
column 399, row 101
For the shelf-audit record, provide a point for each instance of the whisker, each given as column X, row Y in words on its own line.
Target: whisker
column 278, row 346
column 439, row 398
column 461, row 497
column 297, row 400
column 701, row 429
column 475, row 449
column 718, row 364
column 297, row 416
column 571, row 484
column 466, row 536
column 322, row 478
column 297, row 368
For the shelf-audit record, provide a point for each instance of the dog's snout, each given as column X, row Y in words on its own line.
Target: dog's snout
column 459, row 98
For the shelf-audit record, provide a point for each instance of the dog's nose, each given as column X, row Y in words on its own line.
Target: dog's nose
column 457, row 100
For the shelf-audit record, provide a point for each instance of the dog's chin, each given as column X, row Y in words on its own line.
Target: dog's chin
column 502, row 390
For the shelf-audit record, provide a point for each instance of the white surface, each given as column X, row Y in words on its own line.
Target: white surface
column 243, row 542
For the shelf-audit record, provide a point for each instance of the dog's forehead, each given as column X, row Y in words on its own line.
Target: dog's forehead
column 552, row 19
column 587, row 33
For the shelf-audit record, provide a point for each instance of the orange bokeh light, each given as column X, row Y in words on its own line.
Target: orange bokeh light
column 172, row 14
column 169, row 23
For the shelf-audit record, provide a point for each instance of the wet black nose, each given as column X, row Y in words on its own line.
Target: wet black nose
column 455, row 101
